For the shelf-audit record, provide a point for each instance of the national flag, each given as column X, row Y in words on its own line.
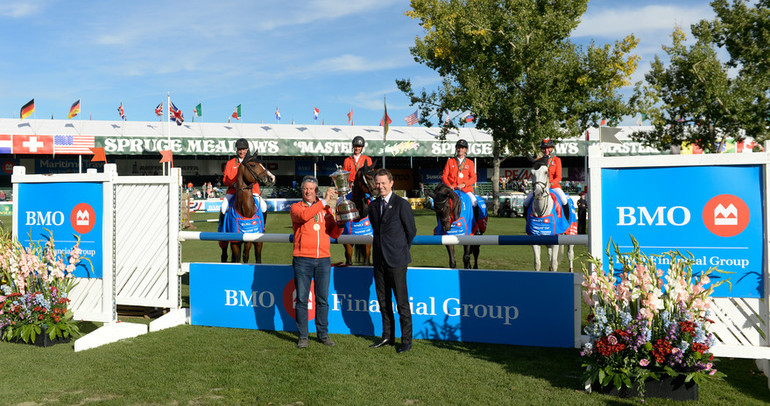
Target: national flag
column 121, row 111
column 385, row 122
column 411, row 119
column 167, row 156
column 74, row 110
column 237, row 113
column 6, row 144
column 277, row 113
column 680, row 120
column 98, row 155
column 159, row 110
column 644, row 117
column 469, row 118
column 350, row 116
column 27, row 109
column 315, row 113
column 73, row 144
column 174, row 114
column 198, row 110
column 32, row 144
column 604, row 122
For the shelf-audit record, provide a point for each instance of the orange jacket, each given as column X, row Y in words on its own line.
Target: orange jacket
column 311, row 241
column 231, row 174
column 554, row 172
column 351, row 166
column 451, row 174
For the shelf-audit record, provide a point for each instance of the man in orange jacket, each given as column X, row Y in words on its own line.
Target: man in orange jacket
column 460, row 172
column 357, row 160
column 313, row 223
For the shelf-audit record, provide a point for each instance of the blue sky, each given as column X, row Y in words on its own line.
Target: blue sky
column 330, row 54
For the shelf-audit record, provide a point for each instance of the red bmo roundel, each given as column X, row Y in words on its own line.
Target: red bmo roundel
column 83, row 218
column 290, row 294
column 726, row 215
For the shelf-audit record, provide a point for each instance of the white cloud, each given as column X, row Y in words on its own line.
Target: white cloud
column 18, row 10
column 653, row 19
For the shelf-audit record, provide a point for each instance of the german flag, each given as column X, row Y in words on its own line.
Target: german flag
column 27, row 109
column 74, row 110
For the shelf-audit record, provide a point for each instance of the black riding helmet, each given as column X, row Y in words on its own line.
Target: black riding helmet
column 358, row 141
column 546, row 143
column 241, row 144
column 461, row 144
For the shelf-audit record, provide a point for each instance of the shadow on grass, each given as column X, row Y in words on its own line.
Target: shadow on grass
column 745, row 377
column 564, row 363
column 283, row 335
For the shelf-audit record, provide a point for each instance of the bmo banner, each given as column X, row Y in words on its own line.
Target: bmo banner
column 63, row 210
column 713, row 212
column 503, row 307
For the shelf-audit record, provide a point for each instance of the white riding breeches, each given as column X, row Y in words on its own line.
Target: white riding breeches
column 228, row 200
column 473, row 198
column 563, row 199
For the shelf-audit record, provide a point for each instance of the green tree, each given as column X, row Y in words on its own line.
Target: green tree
column 696, row 98
column 511, row 63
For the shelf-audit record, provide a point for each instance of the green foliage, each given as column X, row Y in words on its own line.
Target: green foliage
column 512, row 64
column 695, row 98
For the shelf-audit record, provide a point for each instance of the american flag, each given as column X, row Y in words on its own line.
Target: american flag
column 159, row 110
column 411, row 119
column 174, row 114
column 73, row 144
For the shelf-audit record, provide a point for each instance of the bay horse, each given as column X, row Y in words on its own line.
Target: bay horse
column 451, row 209
column 245, row 204
column 542, row 207
column 361, row 196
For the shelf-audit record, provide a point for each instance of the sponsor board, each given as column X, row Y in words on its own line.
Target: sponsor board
column 215, row 205
column 701, row 210
column 504, row 307
column 66, row 211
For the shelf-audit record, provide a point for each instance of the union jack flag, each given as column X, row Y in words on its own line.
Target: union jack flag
column 159, row 110
column 121, row 111
column 174, row 114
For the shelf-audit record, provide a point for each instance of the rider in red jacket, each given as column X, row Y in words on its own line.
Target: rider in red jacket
column 460, row 172
column 357, row 160
column 554, row 176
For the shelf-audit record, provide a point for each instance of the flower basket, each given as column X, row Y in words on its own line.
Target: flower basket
column 674, row 388
column 34, row 286
column 648, row 331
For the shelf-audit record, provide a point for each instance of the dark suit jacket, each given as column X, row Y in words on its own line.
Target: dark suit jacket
column 394, row 232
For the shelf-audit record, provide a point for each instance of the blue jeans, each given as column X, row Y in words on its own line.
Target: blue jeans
column 305, row 270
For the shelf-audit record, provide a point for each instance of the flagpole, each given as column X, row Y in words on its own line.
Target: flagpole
column 384, row 130
column 168, row 125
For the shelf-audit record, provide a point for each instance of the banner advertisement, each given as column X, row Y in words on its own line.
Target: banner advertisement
column 701, row 210
column 503, row 307
column 64, row 211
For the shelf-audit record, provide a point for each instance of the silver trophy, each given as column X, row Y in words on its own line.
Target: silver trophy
column 346, row 210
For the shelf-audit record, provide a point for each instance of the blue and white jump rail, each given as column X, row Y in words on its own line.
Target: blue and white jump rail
column 418, row 240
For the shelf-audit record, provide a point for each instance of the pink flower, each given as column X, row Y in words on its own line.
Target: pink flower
column 644, row 362
column 612, row 340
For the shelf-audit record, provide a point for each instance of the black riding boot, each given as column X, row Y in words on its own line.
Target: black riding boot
column 565, row 208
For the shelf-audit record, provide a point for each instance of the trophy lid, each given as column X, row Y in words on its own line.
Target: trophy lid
column 340, row 178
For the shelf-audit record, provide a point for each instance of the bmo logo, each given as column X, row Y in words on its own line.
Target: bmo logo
column 290, row 296
column 83, row 218
column 726, row 215
column 660, row 216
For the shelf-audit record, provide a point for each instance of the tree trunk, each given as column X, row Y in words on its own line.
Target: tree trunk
column 495, row 176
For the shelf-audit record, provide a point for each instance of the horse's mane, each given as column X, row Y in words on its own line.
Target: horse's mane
column 358, row 194
column 442, row 193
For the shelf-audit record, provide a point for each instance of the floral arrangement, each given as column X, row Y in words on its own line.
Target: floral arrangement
column 34, row 289
column 644, row 325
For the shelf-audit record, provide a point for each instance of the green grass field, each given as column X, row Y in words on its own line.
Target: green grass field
column 193, row 365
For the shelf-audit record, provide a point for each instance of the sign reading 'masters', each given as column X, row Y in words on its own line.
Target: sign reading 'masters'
column 64, row 211
column 713, row 212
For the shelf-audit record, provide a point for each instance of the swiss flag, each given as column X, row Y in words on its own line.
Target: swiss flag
column 32, row 144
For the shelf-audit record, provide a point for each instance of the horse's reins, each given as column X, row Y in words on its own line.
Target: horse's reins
column 254, row 174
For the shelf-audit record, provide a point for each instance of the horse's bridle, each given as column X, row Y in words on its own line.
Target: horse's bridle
column 254, row 174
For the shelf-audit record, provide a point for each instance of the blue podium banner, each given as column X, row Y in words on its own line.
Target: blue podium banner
column 65, row 209
column 713, row 212
column 502, row 307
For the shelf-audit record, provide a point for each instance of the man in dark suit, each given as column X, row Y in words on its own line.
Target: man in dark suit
column 394, row 229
